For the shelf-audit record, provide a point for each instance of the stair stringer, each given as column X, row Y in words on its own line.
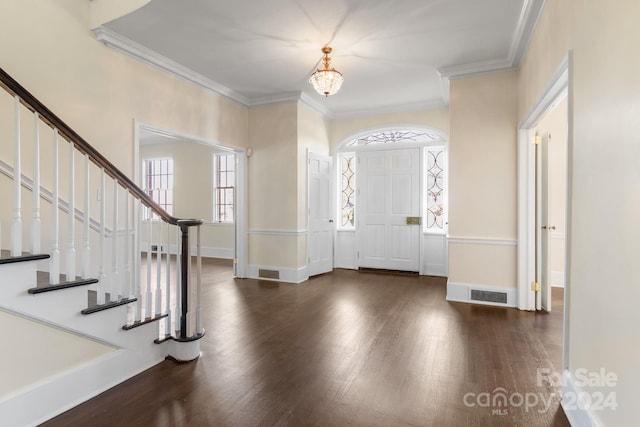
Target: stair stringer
column 135, row 352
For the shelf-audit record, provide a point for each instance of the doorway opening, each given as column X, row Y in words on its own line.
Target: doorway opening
column 213, row 190
column 544, row 199
column 392, row 201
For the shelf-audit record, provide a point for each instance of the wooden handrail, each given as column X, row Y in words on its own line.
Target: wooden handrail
column 47, row 116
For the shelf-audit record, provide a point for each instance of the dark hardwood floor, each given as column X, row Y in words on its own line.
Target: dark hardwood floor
column 345, row 348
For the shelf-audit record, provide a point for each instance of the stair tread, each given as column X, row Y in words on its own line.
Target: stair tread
column 93, row 307
column 148, row 320
column 44, row 286
column 6, row 258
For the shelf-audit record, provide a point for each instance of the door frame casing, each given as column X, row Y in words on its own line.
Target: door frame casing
column 240, row 223
column 442, row 140
column 559, row 85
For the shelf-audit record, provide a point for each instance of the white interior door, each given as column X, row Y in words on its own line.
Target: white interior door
column 388, row 193
column 320, row 240
column 543, row 297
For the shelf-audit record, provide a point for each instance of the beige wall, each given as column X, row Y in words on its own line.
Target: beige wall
column 99, row 91
column 605, row 246
column 313, row 137
column 193, row 187
column 281, row 135
column 550, row 44
column 63, row 349
column 482, row 180
column 604, row 127
column 273, row 185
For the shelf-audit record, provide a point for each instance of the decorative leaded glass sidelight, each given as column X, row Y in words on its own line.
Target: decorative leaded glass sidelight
column 435, row 189
column 348, row 188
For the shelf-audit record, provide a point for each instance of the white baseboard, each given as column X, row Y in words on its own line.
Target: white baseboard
column 287, row 274
column 577, row 416
column 210, row 252
column 461, row 292
column 557, row 279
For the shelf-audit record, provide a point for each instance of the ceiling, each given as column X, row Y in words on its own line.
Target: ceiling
column 394, row 54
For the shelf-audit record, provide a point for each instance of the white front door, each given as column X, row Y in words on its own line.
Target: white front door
column 388, row 194
column 320, row 240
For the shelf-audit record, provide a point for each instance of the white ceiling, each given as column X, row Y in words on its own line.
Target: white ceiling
column 391, row 52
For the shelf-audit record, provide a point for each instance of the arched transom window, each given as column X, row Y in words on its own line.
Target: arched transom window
column 394, row 137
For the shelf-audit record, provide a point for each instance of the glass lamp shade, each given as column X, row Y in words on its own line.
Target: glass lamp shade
column 326, row 82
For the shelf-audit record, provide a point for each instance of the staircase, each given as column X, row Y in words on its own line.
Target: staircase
column 83, row 320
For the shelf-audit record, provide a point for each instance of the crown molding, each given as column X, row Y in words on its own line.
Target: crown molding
column 527, row 21
column 129, row 47
column 274, row 99
column 314, row 104
column 472, row 69
column 297, row 96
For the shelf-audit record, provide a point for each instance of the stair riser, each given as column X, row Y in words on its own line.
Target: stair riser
column 17, row 277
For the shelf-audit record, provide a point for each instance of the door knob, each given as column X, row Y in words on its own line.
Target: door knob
column 544, row 227
column 330, row 220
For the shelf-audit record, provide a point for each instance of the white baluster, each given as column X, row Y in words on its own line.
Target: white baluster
column 178, row 306
column 71, row 248
column 167, row 329
column 102, row 277
column 158, row 304
column 115, row 277
column 148, row 299
column 137, row 274
column 54, row 261
column 16, row 226
column 86, row 249
column 198, row 283
column 127, row 245
column 35, row 221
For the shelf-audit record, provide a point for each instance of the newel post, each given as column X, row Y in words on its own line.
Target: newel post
column 187, row 346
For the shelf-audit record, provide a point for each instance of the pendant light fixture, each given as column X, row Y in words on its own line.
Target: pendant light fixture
column 326, row 81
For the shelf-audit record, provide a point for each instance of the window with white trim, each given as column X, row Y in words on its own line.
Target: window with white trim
column 158, row 182
column 224, row 181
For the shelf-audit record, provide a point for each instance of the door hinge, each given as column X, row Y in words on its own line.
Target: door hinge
column 536, row 140
column 358, row 255
column 235, row 260
column 535, row 286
